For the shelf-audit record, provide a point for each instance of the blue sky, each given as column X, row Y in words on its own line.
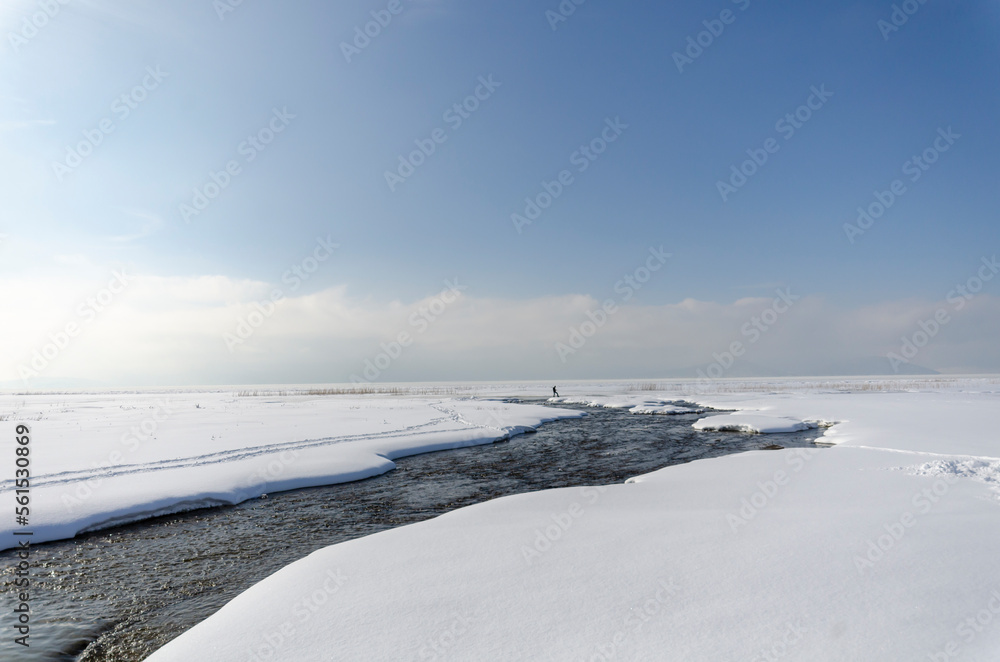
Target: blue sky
column 224, row 73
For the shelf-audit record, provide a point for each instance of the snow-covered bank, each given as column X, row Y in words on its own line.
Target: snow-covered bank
column 883, row 547
column 103, row 459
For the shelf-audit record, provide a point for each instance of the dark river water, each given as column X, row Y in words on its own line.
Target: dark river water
column 117, row 595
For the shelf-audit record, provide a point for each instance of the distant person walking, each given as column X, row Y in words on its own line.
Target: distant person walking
column 555, row 393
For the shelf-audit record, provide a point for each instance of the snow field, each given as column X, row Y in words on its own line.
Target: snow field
column 882, row 547
column 101, row 460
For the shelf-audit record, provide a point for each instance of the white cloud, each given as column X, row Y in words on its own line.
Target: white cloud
column 171, row 330
column 73, row 260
